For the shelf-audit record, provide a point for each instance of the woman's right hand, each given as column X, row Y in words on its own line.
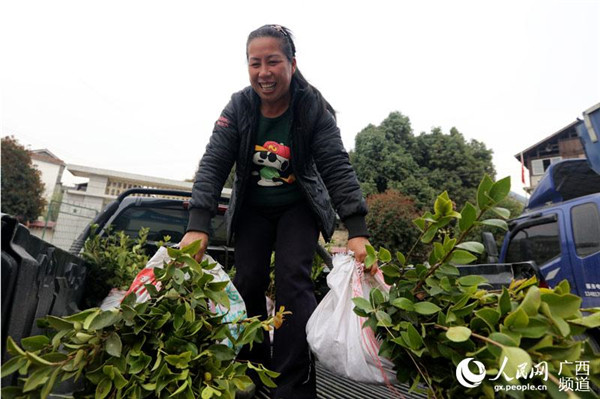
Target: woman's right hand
column 192, row 236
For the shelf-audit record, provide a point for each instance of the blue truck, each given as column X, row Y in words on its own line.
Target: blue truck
column 560, row 228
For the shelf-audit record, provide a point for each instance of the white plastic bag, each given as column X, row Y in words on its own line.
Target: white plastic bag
column 335, row 333
column 237, row 307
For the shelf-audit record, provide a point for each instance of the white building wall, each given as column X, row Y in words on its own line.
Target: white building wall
column 49, row 175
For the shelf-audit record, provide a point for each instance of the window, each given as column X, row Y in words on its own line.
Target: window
column 539, row 166
column 586, row 229
column 539, row 243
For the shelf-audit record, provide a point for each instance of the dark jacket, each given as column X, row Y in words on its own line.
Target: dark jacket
column 318, row 160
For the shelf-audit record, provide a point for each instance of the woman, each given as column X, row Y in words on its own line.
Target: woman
column 289, row 157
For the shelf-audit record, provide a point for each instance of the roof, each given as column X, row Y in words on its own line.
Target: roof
column 87, row 171
column 45, row 155
column 555, row 135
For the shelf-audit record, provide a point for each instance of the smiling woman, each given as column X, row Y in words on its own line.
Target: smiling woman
column 291, row 172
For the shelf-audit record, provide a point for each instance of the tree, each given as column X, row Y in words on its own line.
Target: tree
column 390, row 156
column 22, row 187
column 390, row 222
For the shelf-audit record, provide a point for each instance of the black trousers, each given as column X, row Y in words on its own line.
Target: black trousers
column 293, row 233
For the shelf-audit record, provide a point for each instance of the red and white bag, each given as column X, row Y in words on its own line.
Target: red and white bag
column 335, row 333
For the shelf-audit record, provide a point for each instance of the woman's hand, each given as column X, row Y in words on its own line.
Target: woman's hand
column 358, row 246
column 192, row 236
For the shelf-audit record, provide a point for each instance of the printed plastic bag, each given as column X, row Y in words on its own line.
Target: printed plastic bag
column 237, row 307
column 335, row 333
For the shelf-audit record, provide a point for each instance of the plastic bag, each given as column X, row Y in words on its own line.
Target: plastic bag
column 237, row 307
column 335, row 333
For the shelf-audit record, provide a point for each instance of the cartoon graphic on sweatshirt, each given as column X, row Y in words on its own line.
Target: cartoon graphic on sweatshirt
column 274, row 160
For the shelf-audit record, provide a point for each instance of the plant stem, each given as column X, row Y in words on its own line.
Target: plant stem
column 423, row 374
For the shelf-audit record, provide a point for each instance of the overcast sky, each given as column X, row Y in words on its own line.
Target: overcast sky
column 136, row 86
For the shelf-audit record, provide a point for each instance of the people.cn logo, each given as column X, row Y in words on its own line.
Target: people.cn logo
column 465, row 377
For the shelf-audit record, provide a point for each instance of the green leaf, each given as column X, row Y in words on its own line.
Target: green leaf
column 415, row 340
column 113, row 345
column 222, row 353
column 472, row 246
column 103, row 388
column 517, row 319
column 516, row 357
column 472, row 280
column 370, row 261
column 362, row 304
column 370, row 250
column 502, row 339
column 564, row 306
column 401, row 258
column 458, row 334
column 460, row 257
column 12, row 365
column 532, row 301
column 420, row 223
column 35, row 343
column 536, row 328
column 105, row 319
column 37, row 378
column 447, row 270
column 504, row 305
column 483, row 198
column 404, row 304
column 429, row 234
column 502, row 212
column 490, row 316
column 376, row 297
column 442, row 206
column 193, row 248
column 591, row 321
column 58, row 324
column 90, row 317
column 495, row 223
column 182, row 360
column 47, row 389
column 384, row 255
column 383, row 319
column 500, row 189
column 426, row 308
column 390, row 270
column 468, row 216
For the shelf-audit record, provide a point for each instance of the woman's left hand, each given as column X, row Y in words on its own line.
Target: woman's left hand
column 358, row 246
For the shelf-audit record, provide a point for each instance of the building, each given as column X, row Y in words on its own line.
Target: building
column 82, row 203
column 51, row 168
column 563, row 144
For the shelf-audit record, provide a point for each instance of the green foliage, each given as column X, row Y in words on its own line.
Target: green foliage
column 432, row 318
column 168, row 347
column 390, row 222
column 22, row 187
column 389, row 156
column 113, row 262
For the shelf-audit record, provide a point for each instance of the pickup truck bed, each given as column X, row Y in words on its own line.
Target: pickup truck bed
column 332, row 386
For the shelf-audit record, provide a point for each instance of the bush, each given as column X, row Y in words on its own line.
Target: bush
column 390, row 222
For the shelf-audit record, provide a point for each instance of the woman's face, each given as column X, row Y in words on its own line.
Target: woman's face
column 270, row 71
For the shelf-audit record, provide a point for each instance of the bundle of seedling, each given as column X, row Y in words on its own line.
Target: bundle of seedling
column 171, row 346
column 434, row 322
